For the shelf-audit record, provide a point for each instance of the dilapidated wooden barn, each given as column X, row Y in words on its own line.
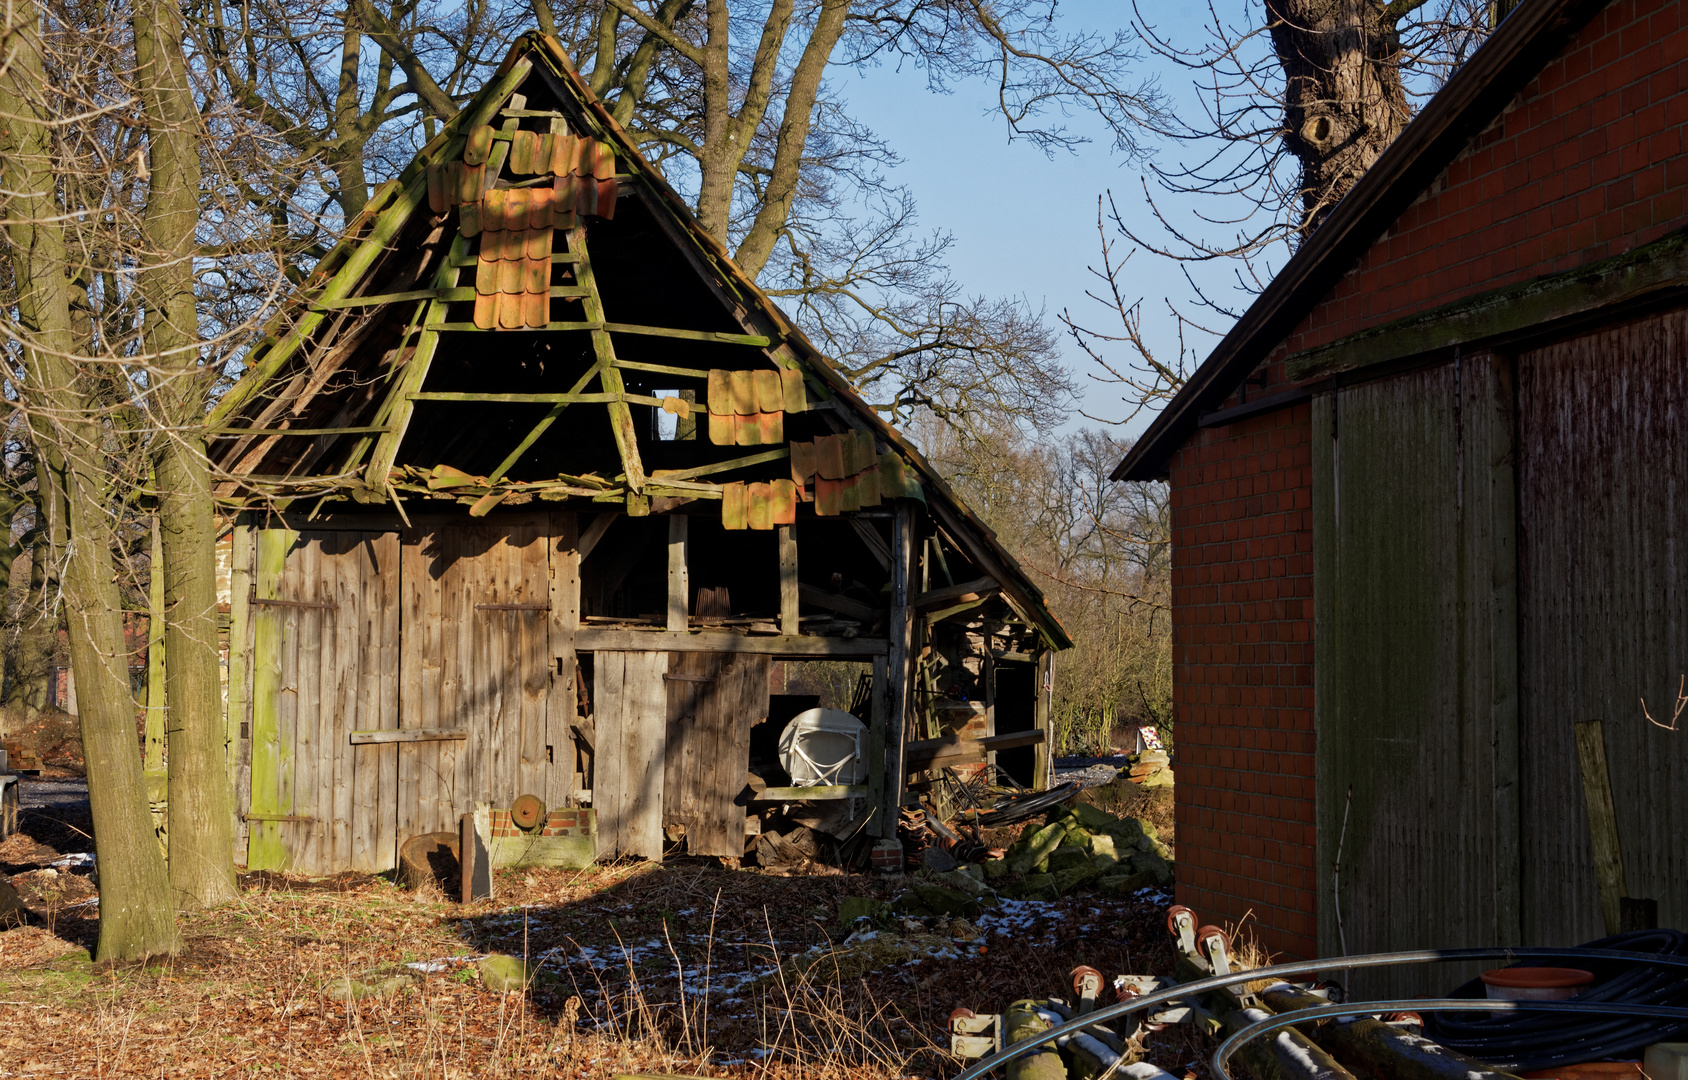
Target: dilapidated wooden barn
column 533, row 487
column 1427, row 519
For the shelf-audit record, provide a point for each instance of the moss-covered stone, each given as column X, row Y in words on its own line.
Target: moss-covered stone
column 1031, row 887
column 995, row 868
column 852, row 908
column 1066, row 858
column 503, row 973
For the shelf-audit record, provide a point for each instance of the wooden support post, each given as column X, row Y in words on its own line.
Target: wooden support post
column 878, row 717
column 153, row 760
column 679, row 586
column 1043, row 765
column 900, row 662
column 788, row 579
column 1602, row 821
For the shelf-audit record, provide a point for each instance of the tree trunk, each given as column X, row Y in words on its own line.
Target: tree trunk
column 200, row 819
column 1343, row 98
column 29, row 660
column 136, row 919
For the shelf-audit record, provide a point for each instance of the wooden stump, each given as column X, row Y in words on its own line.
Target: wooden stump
column 429, row 857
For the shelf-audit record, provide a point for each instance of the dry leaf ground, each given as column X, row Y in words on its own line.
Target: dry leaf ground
column 637, row 968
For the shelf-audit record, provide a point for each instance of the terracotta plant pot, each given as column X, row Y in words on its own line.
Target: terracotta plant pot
column 1536, row 983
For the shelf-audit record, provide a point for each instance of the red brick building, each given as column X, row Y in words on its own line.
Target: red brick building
column 1425, row 517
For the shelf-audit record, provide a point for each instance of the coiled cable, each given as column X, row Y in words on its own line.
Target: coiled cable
column 1540, row 1040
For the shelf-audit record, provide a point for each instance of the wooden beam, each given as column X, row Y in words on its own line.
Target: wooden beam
column 956, row 594
column 1602, row 822
column 662, row 369
column 1044, row 687
column 871, row 540
column 819, row 791
column 621, row 420
column 446, row 296
column 723, row 466
column 878, row 718
column 543, row 425
column 1657, row 270
column 927, row 753
column 855, row 609
column 679, row 584
column 900, row 665
column 399, row 407
column 587, row 639
column 595, row 532
column 408, row 735
column 233, row 432
column 788, row 580
column 688, row 335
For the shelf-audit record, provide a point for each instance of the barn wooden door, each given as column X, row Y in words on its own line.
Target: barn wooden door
column 325, row 669
column 630, row 720
column 713, row 701
column 476, row 664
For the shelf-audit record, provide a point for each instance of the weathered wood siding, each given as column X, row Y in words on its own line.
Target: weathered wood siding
column 713, row 700
column 327, row 666
column 460, row 626
column 630, row 717
column 1603, row 468
column 1415, row 674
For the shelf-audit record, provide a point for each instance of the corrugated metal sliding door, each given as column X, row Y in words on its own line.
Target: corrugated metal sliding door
column 325, row 665
column 713, row 701
column 1603, row 504
column 630, row 721
column 1416, row 670
column 476, row 662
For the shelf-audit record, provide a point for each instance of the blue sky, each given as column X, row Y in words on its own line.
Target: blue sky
column 972, row 182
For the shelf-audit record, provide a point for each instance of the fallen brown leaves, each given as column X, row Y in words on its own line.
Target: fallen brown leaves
column 639, row 968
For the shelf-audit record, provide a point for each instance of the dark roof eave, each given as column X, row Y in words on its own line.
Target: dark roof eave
column 1476, row 94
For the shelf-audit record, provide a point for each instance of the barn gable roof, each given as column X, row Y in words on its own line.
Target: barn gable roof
column 1529, row 37
column 388, row 378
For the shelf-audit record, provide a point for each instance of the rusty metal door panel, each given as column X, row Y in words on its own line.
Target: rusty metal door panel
column 1415, row 670
column 1603, row 464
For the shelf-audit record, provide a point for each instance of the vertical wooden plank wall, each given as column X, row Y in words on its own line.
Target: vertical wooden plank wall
column 238, row 703
column 560, row 705
column 1415, row 678
column 1603, row 569
column 268, row 801
column 631, row 721
column 713, row 700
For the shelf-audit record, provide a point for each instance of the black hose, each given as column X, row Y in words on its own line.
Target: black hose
column 1541, row 1040
column 1011, row 808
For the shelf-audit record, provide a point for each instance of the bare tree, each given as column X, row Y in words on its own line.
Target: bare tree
column 1301, row 97
column 64, row 394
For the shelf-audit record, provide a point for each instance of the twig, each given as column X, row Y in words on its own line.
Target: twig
column 1681, row 703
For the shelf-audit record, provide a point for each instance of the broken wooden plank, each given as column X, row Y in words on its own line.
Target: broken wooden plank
column 589, row 639
column 1602, row 821
column 408, row 735
column 951, row 595
column 926, row 753
column 789, row 587
column 855, row 609
column 820, row 791
column 722, row 466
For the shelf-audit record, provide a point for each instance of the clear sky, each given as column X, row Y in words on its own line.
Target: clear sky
column 1025, row 223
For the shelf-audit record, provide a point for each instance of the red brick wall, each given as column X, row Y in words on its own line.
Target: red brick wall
column 1242, row 655
column 1585, row 163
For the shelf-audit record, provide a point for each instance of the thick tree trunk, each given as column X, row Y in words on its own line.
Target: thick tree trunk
column 1343, row 98
column 135, row 914
column 200, row 820
column 29, row 660
column 717, row 164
